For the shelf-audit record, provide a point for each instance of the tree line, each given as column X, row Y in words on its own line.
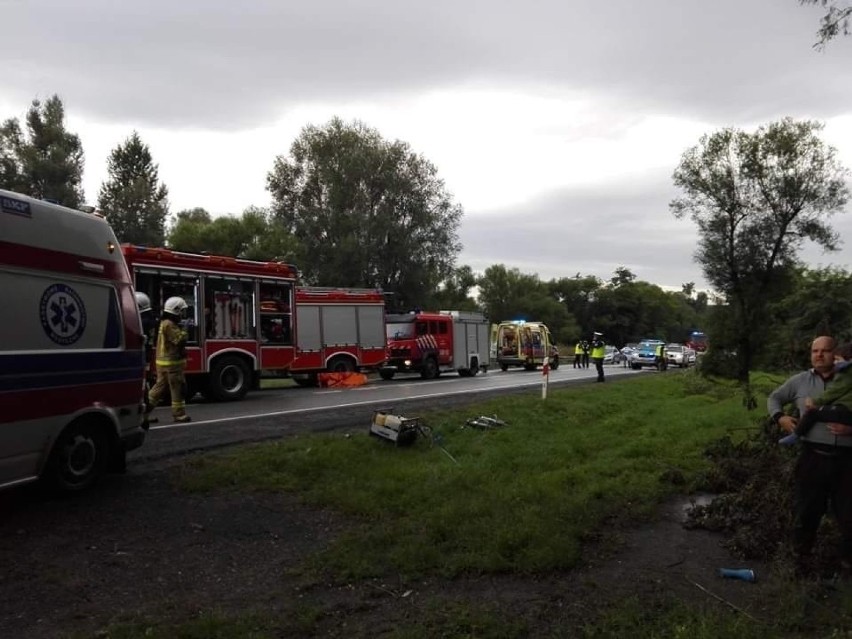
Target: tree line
column 353, row 209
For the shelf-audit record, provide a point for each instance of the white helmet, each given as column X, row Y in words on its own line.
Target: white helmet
column 143, row 302
column 175, row 305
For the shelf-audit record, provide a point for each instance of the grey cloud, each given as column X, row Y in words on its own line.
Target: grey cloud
column 591, row 232
column 227, row 65
column 594, row 231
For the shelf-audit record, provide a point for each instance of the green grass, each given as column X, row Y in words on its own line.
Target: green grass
column 521, row 498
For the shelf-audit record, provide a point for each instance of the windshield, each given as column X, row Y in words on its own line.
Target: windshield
column 675, row 349
column 400, row 330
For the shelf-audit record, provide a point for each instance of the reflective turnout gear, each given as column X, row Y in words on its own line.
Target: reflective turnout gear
column 171, row 361
column 171, row 342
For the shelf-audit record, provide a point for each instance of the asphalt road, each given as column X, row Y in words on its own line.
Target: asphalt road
column 272, row 414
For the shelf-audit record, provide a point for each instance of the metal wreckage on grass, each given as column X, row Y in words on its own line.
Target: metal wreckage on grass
column 405, row 430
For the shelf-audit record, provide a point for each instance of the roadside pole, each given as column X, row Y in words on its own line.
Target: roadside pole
column 545, row 373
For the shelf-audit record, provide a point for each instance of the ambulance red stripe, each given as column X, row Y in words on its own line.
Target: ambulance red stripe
column 41, row 259
column 55, row 402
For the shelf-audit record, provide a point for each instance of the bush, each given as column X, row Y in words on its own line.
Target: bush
column 718, row 363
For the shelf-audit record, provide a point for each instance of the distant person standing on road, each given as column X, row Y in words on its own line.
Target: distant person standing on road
column 660, row 353
column 586, row 348
column 578, row 354
column 598, row 354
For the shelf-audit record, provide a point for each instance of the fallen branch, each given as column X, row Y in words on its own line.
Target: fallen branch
column 726, row 602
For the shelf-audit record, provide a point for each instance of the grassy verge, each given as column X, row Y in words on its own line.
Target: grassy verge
column 520, row 498
column 523, row 498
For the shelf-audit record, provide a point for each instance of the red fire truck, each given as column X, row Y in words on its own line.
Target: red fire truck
column 432, row 343
column 697, row 341
column 241, row 322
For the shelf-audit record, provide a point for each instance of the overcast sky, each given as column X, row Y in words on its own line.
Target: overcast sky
column 556, row 124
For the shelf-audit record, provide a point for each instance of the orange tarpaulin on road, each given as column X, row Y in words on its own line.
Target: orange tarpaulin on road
column 327, row 380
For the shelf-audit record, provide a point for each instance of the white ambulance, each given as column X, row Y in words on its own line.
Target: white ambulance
column 71, row 351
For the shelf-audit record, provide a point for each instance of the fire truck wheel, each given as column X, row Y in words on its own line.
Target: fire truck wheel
column 430, row 368
column 78, row 457
column 341, row 364
column 230, row 379
column 386, row 375
column 504, row 367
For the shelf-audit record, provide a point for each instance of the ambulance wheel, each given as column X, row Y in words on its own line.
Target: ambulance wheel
column 387, row 375
column 230, row 379
column 430, row 368
column 78, row 457
column 554, row 364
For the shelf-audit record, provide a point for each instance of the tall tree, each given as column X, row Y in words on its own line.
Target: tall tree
column 508, row 294
column 454, row 292
column 834, row 22
column 577, row 295
column 254, row 235
column 44, row 160
column 756, row 197
column 366, row 211
column 132, row 198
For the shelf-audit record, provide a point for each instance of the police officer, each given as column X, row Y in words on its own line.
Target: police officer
column 578, row 354
column 171, row 359
column 586, row 348
column 598, row 353
column 149, row 328
column 662, row 364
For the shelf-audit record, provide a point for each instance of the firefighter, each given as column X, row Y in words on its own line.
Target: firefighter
column 598, row 354
column 578, row 354
column 171, row 359
column 149, row 328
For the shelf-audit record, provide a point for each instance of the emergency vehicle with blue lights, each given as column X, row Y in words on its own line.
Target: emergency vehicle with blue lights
column 527, row 344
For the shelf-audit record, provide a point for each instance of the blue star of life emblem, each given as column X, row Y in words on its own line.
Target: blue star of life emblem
column 63, row 315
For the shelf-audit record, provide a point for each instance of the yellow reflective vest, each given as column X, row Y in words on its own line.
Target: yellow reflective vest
column 598, row 350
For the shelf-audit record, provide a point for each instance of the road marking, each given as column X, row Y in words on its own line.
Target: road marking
column 315, row 409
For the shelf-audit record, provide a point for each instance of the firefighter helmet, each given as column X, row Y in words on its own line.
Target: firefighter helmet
column 175, row 305
column 143, row 302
